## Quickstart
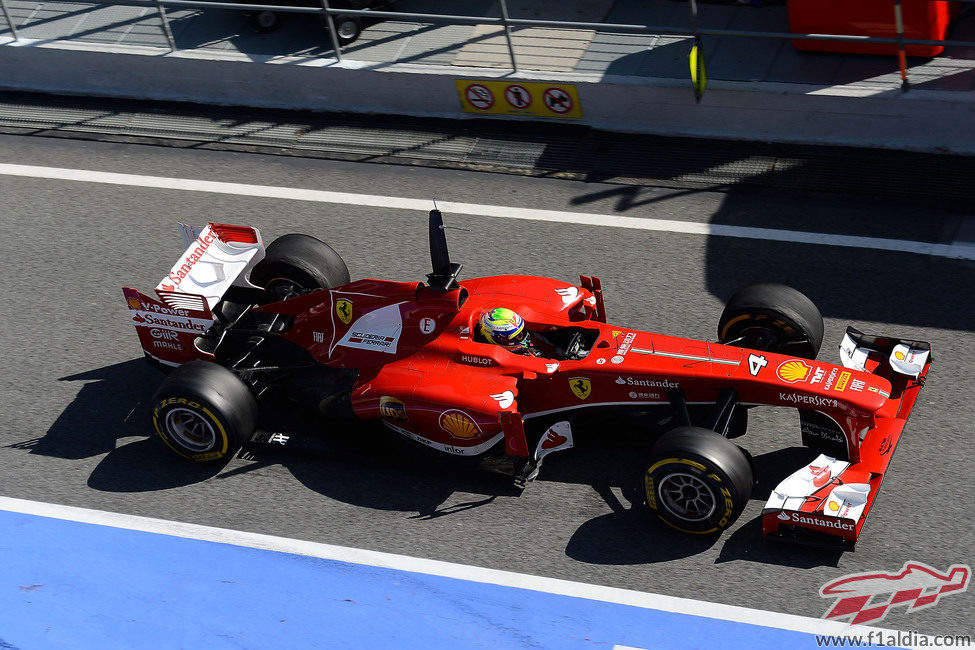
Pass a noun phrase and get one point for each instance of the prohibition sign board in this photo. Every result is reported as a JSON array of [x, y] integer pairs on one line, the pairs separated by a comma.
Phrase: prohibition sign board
[[479, 96], [557, 100], [518, 96]]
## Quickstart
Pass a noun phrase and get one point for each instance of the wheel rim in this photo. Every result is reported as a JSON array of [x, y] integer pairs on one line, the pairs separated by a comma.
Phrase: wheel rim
[[266, 19], [687, 496], [283, 288], [346, 29], [190, 430]]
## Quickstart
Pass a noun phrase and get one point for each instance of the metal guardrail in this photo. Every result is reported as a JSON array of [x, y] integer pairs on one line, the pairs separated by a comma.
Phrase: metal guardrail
[[506, 22]]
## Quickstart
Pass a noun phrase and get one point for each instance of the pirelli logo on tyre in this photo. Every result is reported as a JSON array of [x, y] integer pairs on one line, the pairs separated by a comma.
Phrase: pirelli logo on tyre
[[670, 476]]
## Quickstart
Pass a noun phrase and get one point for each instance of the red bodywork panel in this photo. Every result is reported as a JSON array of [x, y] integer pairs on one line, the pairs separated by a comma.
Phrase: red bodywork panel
[[422, 371], [822, 512]]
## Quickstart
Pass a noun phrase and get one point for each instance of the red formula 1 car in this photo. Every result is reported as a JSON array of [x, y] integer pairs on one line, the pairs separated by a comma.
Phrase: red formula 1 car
[[248, 327]]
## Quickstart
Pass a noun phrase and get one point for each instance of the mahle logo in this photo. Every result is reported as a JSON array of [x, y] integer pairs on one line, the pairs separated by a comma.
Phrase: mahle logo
[[868, 597]]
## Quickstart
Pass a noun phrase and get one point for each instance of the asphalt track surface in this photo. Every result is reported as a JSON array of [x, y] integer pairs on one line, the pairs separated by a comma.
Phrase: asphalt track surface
[[75, 385]]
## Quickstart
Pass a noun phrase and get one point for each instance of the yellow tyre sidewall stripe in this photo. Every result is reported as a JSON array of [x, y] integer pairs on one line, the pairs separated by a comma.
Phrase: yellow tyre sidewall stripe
[[650, 492], [224, 441]]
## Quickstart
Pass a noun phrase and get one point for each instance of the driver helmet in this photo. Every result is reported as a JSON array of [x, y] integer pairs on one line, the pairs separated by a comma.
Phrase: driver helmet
[[504, 327]]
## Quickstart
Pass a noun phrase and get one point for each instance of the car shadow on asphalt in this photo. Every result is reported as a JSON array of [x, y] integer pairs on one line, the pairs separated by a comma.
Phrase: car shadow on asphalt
[[111, 407], [375, 469], [631, 535]]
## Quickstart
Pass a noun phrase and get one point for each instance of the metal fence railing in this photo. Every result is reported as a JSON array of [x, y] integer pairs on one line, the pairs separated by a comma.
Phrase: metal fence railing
[[506, 23]]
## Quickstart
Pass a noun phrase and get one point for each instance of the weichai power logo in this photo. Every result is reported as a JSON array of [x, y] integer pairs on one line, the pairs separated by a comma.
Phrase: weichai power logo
[[868, 597]]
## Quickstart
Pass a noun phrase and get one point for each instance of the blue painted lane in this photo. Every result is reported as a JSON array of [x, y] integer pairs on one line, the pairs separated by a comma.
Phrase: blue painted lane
[[65, 584]]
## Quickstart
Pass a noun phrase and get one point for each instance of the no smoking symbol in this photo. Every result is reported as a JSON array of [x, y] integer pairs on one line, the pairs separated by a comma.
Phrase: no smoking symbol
[[517, 96], [480, 97], [557, 100]]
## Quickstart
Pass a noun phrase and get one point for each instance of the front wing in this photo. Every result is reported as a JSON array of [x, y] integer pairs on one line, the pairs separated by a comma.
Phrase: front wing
[[826, 503]]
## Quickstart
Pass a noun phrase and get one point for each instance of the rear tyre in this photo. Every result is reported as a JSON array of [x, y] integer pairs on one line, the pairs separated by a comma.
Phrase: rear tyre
[[204, 412], [772, 318], [296, 262], [698, 481]]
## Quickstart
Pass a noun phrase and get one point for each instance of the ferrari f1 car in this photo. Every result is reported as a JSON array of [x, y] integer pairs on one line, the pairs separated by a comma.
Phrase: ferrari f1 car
[[246, 327]]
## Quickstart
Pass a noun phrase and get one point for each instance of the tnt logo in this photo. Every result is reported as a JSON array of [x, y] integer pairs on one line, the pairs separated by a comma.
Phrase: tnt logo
[[867, 597]]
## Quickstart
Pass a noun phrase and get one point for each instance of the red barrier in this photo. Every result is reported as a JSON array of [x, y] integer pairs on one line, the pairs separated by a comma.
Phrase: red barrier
[[923, 19]]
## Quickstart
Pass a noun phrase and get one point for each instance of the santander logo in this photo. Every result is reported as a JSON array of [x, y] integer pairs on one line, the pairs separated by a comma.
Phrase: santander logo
[[203, 243]]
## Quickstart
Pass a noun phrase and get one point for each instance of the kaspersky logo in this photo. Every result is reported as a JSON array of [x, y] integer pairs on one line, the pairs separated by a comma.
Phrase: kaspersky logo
[[868, 597]]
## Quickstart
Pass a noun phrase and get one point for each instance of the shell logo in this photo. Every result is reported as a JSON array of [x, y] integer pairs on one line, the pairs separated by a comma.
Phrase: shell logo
[[459, 424], [900, 356], [793, 371], [834, 506], [134, 303]]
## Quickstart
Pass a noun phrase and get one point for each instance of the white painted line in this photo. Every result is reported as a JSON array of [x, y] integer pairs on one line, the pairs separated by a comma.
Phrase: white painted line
[[444, 569], [954, 251]]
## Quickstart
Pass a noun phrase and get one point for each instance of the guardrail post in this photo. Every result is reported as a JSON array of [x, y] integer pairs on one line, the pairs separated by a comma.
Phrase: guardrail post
[[507, 34], [901, 53], [10, 21], [330, 22], [165, 26]]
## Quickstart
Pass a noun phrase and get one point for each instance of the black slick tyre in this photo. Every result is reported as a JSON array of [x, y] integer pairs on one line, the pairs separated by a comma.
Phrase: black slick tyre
[[302, 262], [773, 318], [697, 481], [204, 412]]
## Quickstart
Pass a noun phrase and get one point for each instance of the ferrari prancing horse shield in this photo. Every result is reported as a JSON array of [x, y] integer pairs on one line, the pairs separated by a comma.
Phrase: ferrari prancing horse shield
[[581, 386], [344, 310]]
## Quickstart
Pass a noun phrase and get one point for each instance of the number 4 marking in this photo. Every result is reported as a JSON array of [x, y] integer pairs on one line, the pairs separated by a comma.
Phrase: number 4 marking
[[756, 363]]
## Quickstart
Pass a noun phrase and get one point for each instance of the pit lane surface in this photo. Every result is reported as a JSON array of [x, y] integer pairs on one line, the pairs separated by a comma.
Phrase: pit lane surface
[[75, 385]]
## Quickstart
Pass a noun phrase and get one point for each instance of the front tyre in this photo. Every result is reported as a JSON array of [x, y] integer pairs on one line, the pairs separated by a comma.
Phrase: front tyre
[[697, 482], [774, 318], [204, 412]]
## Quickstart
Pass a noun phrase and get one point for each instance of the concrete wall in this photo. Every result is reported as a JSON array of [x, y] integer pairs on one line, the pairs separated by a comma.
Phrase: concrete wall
[[919, 119]]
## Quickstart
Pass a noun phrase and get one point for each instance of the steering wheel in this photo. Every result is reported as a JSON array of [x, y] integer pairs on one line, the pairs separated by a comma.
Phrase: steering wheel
[[574, 347]]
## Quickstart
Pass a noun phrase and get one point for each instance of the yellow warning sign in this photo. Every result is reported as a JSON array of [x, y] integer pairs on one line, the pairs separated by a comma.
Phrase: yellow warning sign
[[519, 98]]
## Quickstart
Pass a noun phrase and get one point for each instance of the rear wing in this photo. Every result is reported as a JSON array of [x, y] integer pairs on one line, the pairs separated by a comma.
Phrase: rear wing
[[826, 502], [216, 258]]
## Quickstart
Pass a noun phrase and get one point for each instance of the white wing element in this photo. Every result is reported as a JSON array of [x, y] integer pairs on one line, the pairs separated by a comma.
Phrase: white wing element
[[907, 360], [851, 356], [557, 438], [847, 501], [216, 259], [791, 493]]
